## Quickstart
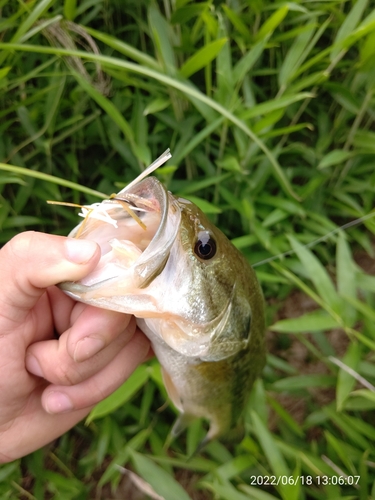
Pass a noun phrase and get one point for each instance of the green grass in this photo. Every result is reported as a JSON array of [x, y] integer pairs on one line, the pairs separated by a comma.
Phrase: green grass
[[269, 110]]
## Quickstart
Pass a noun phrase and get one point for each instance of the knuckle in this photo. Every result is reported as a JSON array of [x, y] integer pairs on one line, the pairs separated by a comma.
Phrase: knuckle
[[131, 327], [67, 375], [99, 393], [14, 263], [19, 246]]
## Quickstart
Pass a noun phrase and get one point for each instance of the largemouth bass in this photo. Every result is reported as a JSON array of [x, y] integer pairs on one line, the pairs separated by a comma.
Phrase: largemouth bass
[[193, 293]]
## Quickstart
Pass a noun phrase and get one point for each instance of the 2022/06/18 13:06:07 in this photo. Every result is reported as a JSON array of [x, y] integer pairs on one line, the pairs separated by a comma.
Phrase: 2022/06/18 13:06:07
[[304, 480]]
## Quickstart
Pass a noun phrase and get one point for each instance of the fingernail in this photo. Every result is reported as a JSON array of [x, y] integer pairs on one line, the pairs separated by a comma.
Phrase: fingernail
[[58, 402], [33, 366], [87, 347], [80, 251]]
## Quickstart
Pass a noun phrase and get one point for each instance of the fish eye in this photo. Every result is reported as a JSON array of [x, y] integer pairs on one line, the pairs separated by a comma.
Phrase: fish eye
[[205, 247]]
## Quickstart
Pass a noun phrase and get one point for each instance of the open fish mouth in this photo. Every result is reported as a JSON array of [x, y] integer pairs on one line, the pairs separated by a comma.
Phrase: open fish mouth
[[135, 231]]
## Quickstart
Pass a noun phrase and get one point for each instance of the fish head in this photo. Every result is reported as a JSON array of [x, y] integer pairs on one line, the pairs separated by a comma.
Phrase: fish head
[[181, 275]]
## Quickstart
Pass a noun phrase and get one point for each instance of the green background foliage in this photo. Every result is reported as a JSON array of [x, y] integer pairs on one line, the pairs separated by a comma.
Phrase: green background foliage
[[268, 108]]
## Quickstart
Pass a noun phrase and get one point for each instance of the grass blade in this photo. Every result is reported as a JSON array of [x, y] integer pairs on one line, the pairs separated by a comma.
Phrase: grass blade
[[162, 482], [318, 275], [53, 179], [202, 57], [121, 395], [183, 87]]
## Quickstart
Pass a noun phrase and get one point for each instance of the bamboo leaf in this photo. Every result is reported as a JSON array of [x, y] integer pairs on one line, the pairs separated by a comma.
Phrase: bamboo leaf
[[274, 104], [334, 158], [350, 23], [346, 278], [362, 307], [318, 275], [309, 322], [245, 64], [227, 491], [162, 482], [202, 57], [4, 71], [184, 13], [160, 34], [121, 395], [365, 393], [274, 456], [188, 90], [70, 7], [303, 382], [285, 416], [295, 56], [237, 22], [34, 15], [204, 205], [51, 178], [115, 115], [345, 381], [124, 48], [272, 22], [156, 105]]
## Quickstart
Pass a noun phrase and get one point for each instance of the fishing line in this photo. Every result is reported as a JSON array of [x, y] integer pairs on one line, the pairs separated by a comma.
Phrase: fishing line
[[319, 240]]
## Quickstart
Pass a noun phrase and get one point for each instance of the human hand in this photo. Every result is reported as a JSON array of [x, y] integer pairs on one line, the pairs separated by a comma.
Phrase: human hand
[[47, 385]]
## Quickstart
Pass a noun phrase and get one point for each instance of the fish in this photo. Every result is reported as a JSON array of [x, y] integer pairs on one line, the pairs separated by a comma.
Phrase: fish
[[194, 296]]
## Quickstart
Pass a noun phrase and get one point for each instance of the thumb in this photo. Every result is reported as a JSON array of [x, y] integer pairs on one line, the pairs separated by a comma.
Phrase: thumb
[[30, 262]]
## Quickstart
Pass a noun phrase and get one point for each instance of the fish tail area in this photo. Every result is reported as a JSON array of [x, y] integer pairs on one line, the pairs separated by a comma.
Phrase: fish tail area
[[200, 447], [215, 430], [183, 420]]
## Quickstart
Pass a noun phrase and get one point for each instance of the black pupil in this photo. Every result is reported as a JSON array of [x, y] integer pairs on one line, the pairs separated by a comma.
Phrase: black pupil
[[205, 247]]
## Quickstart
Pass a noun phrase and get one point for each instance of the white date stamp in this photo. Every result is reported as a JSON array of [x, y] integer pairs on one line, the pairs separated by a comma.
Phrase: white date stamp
[[304, 480]]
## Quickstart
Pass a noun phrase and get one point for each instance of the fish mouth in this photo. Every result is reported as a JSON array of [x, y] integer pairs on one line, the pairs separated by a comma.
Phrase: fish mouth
[[134, 250]]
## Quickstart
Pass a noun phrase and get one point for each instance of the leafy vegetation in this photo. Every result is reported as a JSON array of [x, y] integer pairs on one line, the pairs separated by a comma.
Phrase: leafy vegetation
[[269, 109]]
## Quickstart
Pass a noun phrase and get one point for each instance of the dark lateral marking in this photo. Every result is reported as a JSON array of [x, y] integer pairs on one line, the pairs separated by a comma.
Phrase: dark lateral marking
[[245, 331], [156, 273]]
